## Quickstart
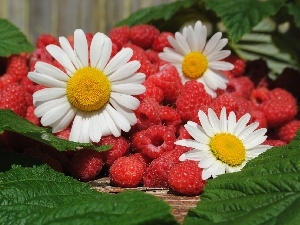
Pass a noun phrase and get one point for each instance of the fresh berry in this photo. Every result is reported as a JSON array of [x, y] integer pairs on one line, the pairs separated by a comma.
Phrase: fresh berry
[[12, 97], [152, 56], [288, 131], [143, 35], [46, 39], [127, 172], [64, 134], [231, 102], [191, 97], [27, 84], [120, 147], [17, 66], [86, 164], [148, 113], [258, 116], [239, 66], [169, 117], [152, 91], [39, 54], [240, 86], [279, 107], [30, 116], [162, 41], [154, 141], [7, 79], [274, 142], [259, 95], [186, 178], [169, 81], [119, 36], [157, 172]]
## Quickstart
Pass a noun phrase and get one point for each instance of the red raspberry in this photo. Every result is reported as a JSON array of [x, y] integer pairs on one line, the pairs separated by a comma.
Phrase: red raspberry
[[162, 41], [191, 97], [46, 39], [274, 142], [151, 92], [17, 65], [154, 141], [119, 36], [239, 66], [152, 56], [143, 35], [186, 178], [27, 84], [120, 147], [12, 97], [147, 113], [64, 134], [157, 172], [28, 99], [169, 117], [127, 172], [7, 79], [238, 105], [240, 86], [86, 164], [279, 107], [169, 81], [39, 54], [259, 95], [114, 50], [258, 116], [289, 130]]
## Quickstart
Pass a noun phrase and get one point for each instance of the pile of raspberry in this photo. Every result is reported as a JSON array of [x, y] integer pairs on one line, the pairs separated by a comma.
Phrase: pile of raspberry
[[146, 155]]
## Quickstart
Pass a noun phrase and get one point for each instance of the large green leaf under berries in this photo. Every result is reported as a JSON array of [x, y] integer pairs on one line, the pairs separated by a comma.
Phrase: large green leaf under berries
[[240, 16], [266, 191], [39, 195], [9, 121], [12, 40]]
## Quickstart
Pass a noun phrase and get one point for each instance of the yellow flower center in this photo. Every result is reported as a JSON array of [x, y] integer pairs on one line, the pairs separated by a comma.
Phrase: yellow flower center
[[194, 65], [228, 148], [89, 89]]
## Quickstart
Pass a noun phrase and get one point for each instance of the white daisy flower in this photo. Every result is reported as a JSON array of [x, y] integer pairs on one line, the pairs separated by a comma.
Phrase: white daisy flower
[[197, 60], [95, 93], [223, 145]]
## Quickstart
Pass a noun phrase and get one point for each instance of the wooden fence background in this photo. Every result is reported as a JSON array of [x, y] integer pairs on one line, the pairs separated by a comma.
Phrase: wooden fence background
[[62, 17]]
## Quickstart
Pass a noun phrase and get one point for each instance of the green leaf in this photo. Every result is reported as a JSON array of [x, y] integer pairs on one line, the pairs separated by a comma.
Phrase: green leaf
[[294, 9], [266, 191], [9, 121], [12, 40], [240, 16], [161, 12], [39, 195]]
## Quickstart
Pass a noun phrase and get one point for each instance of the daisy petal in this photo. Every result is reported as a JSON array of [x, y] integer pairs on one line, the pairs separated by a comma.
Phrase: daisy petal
[[191, 155], [125, 71], [111, 125], [118, 118], [47, 106], [127, 113], [95, 127], [241, 124], [231, 122], [218, 168], [192, 144], [61, 57], [127, 101], [120, 59], [48, 94], [255, 142], [64, 122], [215, 56], [197, 134], [65, 45], [130, 89], [248, 130], [214, 121], [105, 53], [136, 78], [220, 65], [212, 43], [76, 127], [51, 71], [46, 80], [84, 133], [206, 173], [205, 124], [81, 47], [55, 114]]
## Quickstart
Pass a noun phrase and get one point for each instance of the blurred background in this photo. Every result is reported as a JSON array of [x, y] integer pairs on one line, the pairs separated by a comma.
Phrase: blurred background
[[62, 17]]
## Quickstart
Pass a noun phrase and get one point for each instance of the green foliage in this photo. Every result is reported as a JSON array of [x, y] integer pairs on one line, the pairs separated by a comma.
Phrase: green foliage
[[9, 121], [157, 15], [266, 191], [39, 195], [294, 9], [240, 16], [12, 40]]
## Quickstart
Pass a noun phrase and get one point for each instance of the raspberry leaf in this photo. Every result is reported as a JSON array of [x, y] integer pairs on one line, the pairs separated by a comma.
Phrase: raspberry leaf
[[266, 191], [12, 40], [294, 9], [9, 121], [240, 16], [39, 195], [157, 15]]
